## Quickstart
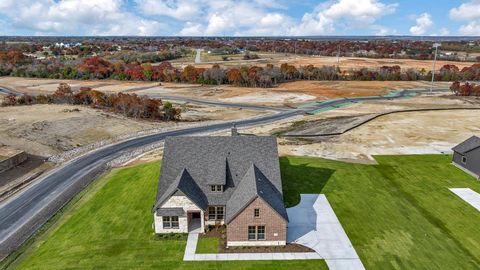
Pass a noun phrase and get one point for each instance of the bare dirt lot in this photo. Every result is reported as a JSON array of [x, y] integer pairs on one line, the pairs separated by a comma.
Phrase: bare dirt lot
[[50, 129], [290, 93], [400, 133], [345, 63]]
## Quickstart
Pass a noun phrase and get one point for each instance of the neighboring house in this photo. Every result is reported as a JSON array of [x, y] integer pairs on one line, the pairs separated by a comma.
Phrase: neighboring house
[[233, 181], [466, 156]]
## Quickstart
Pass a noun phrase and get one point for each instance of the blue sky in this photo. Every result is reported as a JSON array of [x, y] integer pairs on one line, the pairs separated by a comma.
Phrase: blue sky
[[239, 17]]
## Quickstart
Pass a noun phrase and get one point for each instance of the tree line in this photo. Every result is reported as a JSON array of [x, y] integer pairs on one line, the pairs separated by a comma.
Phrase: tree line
[[129, 105], [465, 89], [13, 64]]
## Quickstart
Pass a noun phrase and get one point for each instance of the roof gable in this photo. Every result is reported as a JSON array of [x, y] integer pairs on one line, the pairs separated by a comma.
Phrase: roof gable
[[218, 160], [254, 184], [468, 145], [185, 184]]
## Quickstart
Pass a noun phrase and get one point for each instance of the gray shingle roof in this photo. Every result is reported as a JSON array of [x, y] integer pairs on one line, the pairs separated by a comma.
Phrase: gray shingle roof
[[254, 184], [184, 183], [178, 211], [468, 145], [211, 160]]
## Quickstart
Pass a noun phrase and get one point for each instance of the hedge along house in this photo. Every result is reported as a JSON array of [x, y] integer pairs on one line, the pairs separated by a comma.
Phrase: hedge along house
[[466, 156], [233, 181]]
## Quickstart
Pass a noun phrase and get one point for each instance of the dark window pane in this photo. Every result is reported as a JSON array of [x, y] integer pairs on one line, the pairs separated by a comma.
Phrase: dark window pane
[[251, 233], [211, 213], [166, 222], [256, 212], [261, 232]]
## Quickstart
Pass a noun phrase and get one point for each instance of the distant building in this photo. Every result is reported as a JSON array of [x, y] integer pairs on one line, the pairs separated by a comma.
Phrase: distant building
[[466, 156]]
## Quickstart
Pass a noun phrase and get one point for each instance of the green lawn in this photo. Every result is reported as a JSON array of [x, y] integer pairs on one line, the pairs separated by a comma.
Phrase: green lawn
[[111, 228], [398, 214], [208, 245]]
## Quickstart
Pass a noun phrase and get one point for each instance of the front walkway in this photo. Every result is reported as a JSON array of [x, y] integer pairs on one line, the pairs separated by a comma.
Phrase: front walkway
[[192, 240], [468, 195], [313, 223]]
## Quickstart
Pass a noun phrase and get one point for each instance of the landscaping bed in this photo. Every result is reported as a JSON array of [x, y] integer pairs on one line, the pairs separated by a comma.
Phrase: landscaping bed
[[214, 241]]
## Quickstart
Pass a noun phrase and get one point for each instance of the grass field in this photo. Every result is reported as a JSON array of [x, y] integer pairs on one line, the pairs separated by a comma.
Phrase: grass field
[[398, 214], [207, 245], [111, 228]]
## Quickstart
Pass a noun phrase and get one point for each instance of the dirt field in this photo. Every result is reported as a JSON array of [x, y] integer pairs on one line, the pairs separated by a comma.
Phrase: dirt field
[[345, 63], [291, 93], [50, 129], [403, 133]]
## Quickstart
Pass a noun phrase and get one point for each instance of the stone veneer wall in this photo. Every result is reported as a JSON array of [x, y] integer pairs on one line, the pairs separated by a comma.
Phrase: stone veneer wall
[[175, 202]]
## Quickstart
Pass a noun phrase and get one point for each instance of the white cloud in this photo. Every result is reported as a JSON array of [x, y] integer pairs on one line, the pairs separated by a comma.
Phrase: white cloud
[[83, 17], [380, 30], [444, 32], [183, 10], [466, 11], [470, 13], [423, 24], [470, 29], [346, 13], [241, 18]]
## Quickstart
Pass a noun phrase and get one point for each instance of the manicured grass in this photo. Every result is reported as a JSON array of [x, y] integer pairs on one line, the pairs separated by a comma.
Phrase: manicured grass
[[398, 214], [207, 245], [111, 228]]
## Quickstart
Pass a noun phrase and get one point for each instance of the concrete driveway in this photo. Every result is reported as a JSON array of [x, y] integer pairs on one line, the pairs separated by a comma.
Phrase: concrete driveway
[[314, 224]]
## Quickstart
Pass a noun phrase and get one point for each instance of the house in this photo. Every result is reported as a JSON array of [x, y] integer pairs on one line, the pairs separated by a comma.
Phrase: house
[[232, 180], [466, 156]]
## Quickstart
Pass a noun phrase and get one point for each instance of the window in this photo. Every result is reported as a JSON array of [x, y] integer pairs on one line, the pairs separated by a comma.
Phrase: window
[[216, 212], [216, 188], [261, 233], [256, 212], [256, 233], [170, 222], [464, 160], [252, 233]]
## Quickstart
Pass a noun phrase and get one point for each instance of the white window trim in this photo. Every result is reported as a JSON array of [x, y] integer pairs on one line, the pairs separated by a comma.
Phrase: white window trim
[[216, 213], [256, 233]]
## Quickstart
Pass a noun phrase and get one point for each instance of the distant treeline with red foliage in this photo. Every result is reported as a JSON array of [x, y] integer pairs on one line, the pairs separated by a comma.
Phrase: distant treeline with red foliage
[[14, 64], [465, 89], [129, 105]]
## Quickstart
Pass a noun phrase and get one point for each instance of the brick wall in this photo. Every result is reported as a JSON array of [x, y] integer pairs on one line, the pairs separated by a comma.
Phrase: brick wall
[[275, 225]]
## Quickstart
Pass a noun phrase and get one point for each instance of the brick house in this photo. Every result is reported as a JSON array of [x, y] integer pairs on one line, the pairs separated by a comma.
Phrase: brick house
[[233, 181]]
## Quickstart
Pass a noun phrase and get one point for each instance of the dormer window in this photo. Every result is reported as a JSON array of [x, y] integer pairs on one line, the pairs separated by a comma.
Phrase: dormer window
[[216, 188]]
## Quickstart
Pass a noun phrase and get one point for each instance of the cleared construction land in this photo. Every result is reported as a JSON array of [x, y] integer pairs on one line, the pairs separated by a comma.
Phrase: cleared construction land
[[290, 93], [45, 130], [345, 63]]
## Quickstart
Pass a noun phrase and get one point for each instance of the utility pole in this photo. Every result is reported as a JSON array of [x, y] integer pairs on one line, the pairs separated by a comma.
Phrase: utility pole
[[435, 45], [338, 55]]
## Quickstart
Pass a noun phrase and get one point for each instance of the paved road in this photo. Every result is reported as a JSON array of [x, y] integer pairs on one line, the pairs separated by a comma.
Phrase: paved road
[[198, 54], [7, 91], [218, 103], [22, 214]]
